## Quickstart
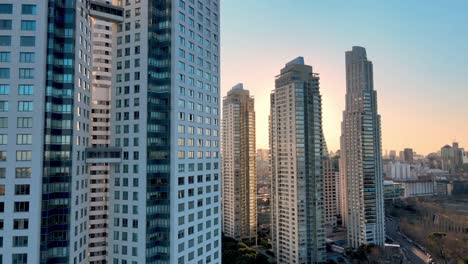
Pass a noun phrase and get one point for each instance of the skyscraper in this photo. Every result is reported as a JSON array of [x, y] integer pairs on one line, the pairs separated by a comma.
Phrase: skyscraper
[[331, 190], [361, 155], [452, 158], [408, 155], [114, 116], [296, 144], [239, 166], [165, 204]]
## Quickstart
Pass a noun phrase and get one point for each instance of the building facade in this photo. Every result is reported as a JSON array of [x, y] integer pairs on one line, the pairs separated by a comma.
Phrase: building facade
[[296, 145], [361, 155], [112, 111], [408, 155], [165, 204], [331, 176], [239, 166], [452, 158]]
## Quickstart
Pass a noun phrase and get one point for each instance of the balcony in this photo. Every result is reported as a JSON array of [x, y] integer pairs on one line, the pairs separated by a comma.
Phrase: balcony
[[106, 12], [103, 155]]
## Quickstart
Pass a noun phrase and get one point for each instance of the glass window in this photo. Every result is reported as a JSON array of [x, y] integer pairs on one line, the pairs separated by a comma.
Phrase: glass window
[[5, 24], [3, 122], [4, 89], [24, 172], [3, 139], [25, 106], [4, 73], [23, 139], [6, 8], [28, 9], [3, 106], [27, 41], [28, 25], [5, 56], [23, 155], [24, 122], [5, 40], [25, 89], [26, 73], [27, 57]]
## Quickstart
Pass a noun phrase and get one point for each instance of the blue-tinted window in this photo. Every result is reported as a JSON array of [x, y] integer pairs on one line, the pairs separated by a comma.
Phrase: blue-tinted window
[[4, 89], [26, 73], [4, 73], [25, 89], [27, 57], [28, 9], [5, 24], [6, 8], [27, 41], [28, 25], [5, 56], [5, 40]]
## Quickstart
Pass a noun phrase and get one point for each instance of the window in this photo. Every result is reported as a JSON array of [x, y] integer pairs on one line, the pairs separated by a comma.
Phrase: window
[[6, 8], [24, 89], [26, 73], [4, 73], [28, 25], [27, 57], [24, 172], [23, 155], [5, 24], [4, 89], [5, 40], [28, 9], [21, 258], [25, 106], [24, 139], [2, 189], [21, 207], [3, 106], [2, 173], [27, 41], [3, 156], [20, 241], [22, 189], [24, 122], [3, 122], [19, 224], [5, 56], [3, 139]]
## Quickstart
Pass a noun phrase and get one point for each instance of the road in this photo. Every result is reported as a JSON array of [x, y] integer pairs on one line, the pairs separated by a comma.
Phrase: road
[[414, 254]]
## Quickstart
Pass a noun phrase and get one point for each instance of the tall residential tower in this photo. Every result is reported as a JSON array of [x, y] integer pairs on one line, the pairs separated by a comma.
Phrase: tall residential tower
[[239, 166], [296, 144], [361, 157], [109, 131]]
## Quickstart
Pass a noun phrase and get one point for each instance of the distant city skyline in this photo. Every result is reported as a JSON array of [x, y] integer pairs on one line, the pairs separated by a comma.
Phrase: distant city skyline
[[422, 44]]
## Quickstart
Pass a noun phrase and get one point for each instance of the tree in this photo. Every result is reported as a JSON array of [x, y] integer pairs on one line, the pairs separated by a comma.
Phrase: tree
[[436, 241]]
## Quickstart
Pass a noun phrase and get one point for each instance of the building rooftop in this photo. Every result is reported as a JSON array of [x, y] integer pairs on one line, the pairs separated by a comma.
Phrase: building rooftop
[[296, 61]]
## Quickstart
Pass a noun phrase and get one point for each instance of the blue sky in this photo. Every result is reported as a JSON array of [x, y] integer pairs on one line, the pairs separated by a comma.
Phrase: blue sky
[[419, 50]]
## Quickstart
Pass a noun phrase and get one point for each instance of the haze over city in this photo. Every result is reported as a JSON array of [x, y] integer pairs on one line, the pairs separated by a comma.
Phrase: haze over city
[[418, 50]]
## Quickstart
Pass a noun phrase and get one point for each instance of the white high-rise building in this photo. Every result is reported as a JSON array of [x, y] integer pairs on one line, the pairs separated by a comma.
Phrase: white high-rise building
[[109, 132], [296, 145], [165, 204], [361, 155], [239, 166]]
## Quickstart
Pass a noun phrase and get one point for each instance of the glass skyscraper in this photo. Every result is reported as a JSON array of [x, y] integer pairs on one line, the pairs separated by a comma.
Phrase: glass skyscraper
[[361, 155], [297, 149]]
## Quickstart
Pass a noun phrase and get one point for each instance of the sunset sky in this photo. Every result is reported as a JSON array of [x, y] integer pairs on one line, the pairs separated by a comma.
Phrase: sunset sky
[[419, 50]]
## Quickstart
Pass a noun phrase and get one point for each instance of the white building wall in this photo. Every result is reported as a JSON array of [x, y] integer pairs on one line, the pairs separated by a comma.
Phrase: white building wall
[[20, 130]]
